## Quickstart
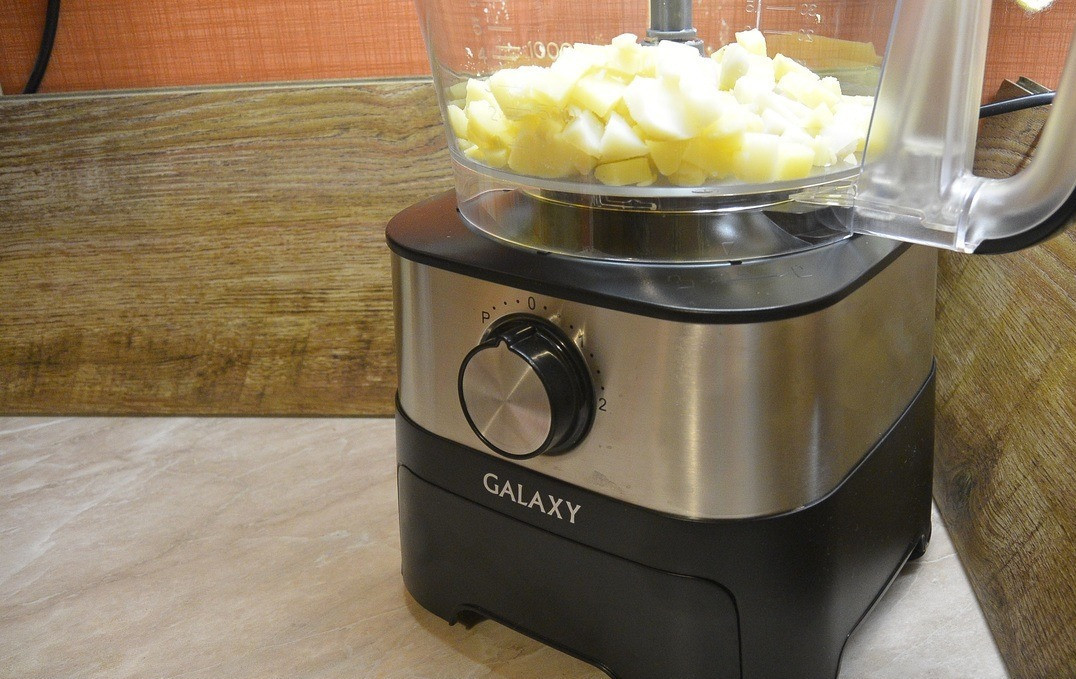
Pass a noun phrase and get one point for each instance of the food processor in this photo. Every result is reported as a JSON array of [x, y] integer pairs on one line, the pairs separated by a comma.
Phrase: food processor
[[666, 386]]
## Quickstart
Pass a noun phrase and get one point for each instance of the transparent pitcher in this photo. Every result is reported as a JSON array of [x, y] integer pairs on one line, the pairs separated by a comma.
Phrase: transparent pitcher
[[731, 130]]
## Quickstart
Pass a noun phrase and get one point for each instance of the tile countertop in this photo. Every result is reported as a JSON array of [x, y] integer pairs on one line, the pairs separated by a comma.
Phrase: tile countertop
[[219, 547]]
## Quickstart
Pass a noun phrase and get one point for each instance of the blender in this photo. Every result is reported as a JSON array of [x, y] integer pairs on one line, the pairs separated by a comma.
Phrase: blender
[[665, 354]]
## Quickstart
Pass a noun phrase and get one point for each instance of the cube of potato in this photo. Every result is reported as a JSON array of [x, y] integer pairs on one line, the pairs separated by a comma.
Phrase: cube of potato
[[833, 85], [539, 150], [629, 58], [774, 122], [583, 163], [704, 107], [753, 41], [487, 125], [585, 133], [734, 65], [620, 142], [675, 60], [794, 161], [495, 158], [478, 90], [689, 175], [783, 65], [575, 62], [552, 88], [457, 91], [756, 160], [715, 155], [655, 105], [598, 93], [807, 88], [625, 172], [513, 90], [666, 155], [820, 117], [457, 120]]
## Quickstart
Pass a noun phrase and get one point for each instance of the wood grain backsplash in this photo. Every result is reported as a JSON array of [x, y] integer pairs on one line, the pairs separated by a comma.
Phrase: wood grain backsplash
[[119, 44], [212, 252]]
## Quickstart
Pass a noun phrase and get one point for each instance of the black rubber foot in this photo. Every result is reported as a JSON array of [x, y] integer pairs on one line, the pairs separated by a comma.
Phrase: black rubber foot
[[921, 546]]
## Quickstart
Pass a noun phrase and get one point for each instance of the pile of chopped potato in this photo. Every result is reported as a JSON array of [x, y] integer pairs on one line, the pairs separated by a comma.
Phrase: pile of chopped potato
[[629, 114]]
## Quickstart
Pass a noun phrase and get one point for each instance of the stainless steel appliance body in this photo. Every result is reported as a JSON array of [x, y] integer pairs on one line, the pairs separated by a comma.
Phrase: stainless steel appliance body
[[691, 470]]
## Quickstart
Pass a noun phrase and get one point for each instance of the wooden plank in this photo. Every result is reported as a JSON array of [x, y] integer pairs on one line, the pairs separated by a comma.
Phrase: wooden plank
[[207, 252], [1005, 471]]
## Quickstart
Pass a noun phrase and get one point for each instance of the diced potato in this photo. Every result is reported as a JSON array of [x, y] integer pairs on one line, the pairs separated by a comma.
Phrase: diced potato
[[495, 158], [753, 41], [553, 88], [795, 112], [756, 160], [689, 175], [714, 155], [585, 133], [478, 90], [674, 60], [655, 106], [783, 65], [823, 154], [620, 142], [539, 150], [629, 58], [622, 110], [734, 66], [627, 114], [487, 125], [704, 105], [774, 122], [820, 117], [598, 94], [833, 86], [575, 62], [457, 120], [806, 88], [457, 91], [752, 92], [794, 160], [625, 172], [734, 121], [517, 91], [666, 155], [584, 164]]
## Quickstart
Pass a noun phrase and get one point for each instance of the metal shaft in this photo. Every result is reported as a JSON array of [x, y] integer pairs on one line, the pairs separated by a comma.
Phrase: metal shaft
[[671, 20]]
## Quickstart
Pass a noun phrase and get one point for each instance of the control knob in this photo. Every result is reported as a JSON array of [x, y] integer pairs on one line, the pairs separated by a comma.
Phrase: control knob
[[525, 389]]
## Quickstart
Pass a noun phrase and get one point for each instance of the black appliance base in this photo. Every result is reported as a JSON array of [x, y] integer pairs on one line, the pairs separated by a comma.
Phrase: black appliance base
[[644, 595]]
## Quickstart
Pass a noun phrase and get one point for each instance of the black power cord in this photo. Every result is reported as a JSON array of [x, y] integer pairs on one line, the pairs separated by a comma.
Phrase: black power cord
[[48, 36], [1017, 104]]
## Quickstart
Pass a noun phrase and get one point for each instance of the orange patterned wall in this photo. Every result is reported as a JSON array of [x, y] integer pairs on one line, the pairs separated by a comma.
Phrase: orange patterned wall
[[110, 44]]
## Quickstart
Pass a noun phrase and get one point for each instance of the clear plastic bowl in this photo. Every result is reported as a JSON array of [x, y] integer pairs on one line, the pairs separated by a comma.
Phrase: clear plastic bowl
[[910, 176], [479, 38]]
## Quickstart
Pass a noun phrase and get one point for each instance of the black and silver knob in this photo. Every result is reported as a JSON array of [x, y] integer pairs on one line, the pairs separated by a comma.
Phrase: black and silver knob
[[525, 390]]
